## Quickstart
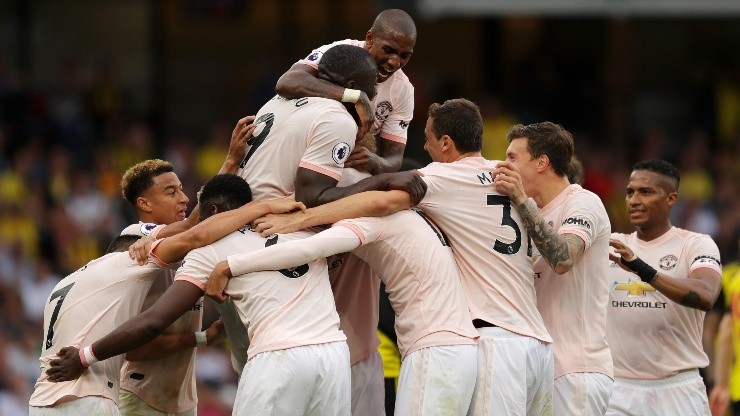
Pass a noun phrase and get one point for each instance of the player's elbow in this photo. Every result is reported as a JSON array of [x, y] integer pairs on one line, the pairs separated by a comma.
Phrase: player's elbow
[[383, 206], [289, 85], [151, 328]]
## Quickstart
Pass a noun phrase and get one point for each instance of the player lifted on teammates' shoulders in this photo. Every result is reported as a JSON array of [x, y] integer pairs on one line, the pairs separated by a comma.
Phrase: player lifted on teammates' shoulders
[[570, 228], [384, 118], [663, 280]]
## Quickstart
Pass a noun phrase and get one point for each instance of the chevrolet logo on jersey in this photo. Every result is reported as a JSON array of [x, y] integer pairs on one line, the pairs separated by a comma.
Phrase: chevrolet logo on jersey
[[634, 288]]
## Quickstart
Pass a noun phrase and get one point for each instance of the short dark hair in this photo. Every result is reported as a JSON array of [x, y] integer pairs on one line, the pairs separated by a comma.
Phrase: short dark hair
[[139, 178], [549, 139], [122, 243], [660, 167], [461, 120], [344, 63], [394, 21], [225, 192]]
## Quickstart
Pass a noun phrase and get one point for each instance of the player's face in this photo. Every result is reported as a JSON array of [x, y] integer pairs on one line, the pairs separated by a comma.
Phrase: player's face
[[519, 155], [166, 199], [391, 51], [648, 201], [432, 143]]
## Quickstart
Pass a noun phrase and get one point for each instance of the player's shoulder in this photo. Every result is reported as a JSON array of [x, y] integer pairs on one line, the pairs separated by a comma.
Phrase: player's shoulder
[[692, 237], [578, 195], [140, 228], [400, 78]]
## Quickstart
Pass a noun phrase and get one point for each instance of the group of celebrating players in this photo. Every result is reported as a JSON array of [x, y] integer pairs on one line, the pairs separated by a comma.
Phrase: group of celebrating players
[[507, 296]]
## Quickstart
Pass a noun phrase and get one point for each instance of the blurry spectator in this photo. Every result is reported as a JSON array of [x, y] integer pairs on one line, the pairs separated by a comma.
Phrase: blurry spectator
[[496, 122], [91, 211], [35, 291], [575, 171], [210, 155]]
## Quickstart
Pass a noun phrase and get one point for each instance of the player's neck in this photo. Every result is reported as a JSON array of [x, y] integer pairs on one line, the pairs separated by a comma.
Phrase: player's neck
[[548, 189], [650, 233], [460, 156]]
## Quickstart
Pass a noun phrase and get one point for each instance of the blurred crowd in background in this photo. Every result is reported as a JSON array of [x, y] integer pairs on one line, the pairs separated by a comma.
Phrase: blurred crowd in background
[[65, 147]]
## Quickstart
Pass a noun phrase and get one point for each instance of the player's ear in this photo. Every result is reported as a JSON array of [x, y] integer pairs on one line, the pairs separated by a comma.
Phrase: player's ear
[[671, 199], [143, 204], [369, 39], [542, 163]]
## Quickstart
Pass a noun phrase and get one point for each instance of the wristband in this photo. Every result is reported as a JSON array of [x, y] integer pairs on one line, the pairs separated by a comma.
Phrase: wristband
[[350, 95], [87, 357], [201, 340], [643, 270]]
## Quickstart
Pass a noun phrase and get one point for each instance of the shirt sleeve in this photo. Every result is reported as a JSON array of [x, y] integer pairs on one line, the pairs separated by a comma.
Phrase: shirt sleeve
[[582, 218], [395, 127], [703, 252], [197, 266], [366, 229], [434, 187], [331, 140], [289, 254], [313, 58]]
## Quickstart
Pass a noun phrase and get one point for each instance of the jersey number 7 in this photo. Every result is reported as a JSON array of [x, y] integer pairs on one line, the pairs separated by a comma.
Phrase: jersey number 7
[[61, 294]]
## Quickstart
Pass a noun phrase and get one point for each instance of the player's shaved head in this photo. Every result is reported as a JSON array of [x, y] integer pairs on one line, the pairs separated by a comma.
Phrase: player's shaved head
[[350, 67], [670, 177], [394, 21], [223, 192], [122, 243], [140, 177]]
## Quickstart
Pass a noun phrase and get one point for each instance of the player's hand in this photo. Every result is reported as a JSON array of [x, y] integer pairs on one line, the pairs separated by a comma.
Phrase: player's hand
[[239, 136], [278, 223], [621, 252], [363, 160], [216, 333], [284, 205], [139, 250], [507, 181], [719, 400], [67, 367], [217, 281], [365, 113], [409, 181]]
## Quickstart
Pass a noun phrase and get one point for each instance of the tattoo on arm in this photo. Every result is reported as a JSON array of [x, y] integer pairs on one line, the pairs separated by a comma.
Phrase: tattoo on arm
[[559, 251], [691, 299]]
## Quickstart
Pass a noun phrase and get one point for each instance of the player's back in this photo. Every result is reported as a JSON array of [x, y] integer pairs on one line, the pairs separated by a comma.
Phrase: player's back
[[313, 133], [413, 258], [84, 307], [489, 241], [281, 309]]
